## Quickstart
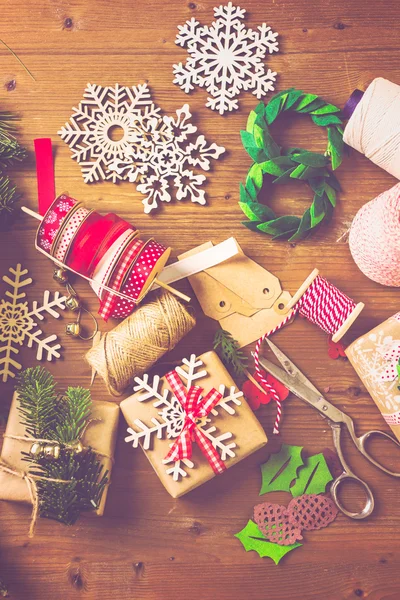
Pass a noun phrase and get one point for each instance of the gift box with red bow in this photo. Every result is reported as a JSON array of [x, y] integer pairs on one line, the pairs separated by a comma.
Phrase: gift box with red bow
[[193, 423]]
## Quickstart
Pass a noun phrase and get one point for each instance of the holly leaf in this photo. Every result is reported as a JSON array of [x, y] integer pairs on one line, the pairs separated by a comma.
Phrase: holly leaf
[[281, 469], [256, 211], [313, 477], [252, 539]]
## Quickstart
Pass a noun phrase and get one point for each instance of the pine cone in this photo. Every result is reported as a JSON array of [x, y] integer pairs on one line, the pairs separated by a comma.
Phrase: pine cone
[[311, 511], [273, 521]]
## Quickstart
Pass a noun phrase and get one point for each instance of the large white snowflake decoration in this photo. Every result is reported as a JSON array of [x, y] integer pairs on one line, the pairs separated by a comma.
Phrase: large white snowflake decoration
[[105, 113], [172, 416], [225, 58], [157, 153], [162, 157], [18, 326]]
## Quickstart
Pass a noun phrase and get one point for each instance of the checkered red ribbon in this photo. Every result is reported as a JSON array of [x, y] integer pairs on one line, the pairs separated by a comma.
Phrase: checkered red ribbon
[[196, 408]]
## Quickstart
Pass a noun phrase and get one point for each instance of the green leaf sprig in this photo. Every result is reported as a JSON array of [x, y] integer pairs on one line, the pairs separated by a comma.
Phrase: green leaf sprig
[[291, 163], [229, 351]]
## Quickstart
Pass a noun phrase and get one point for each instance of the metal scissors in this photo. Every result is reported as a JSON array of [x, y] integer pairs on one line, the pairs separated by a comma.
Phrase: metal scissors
[[301, 387]]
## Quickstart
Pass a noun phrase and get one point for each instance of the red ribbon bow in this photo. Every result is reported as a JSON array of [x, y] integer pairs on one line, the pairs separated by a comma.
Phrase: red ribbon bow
[[196, 408]]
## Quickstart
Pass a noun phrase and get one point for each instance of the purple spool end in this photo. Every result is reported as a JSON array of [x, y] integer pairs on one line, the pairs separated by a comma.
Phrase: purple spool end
[[351, 103]]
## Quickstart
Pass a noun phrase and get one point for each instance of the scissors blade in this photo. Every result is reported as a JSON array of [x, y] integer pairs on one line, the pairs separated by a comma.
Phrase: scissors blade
[[303, 391], [290, 367]]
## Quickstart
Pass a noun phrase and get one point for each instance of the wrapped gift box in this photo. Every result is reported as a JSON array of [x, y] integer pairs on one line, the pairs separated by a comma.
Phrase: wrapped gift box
[[101, 436], [374, 356], [156, 419]]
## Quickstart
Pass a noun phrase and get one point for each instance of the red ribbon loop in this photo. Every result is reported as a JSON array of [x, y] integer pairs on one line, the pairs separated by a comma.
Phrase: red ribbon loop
[[196, 407]]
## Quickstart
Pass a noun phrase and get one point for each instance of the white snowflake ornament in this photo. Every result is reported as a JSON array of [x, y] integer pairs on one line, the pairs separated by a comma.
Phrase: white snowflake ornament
[[225, 58], [18, 326], [171, 416], [105, 113]]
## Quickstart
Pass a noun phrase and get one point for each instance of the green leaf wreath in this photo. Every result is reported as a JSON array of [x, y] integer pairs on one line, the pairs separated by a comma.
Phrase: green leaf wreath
[[291, 163], [61, 419]]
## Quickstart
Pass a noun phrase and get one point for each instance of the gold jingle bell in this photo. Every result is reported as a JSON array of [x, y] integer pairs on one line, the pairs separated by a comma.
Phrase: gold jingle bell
[[36, 450], [73, 303], [76, 447], [73, 329], [60, 275], [51, 452]]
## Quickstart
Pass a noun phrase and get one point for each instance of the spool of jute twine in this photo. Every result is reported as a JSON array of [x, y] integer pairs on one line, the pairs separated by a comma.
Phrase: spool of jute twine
[[138, 342]]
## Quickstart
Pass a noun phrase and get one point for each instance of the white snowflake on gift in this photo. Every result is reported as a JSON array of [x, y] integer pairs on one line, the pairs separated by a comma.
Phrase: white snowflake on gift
[[18, 325], [172, 415], [225, 58], [163, 157], [371, 364]]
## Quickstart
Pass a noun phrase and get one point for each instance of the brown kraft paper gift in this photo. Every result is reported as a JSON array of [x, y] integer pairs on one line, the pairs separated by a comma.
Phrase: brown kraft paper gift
[[100, 436], [247, 432], [367, 355]]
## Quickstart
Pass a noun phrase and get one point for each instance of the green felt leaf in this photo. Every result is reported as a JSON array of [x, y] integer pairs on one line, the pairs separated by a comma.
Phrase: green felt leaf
[[285, 178], [256, 211], [311, 159], [251, 189], [332, 180], [304, 227], [244, 195], [284, 234], [313, 476], [335, 146], [280, 225], [251, 120], [331, 194], [252, 225], [311, 106], [256, 176], [257, 154], [305, 100], [292, 98], [273, 108], [298, 172], [325, 120], [317, 210], [252, 539], [281, 469], [248, 140], [271, 167], [258, 133], [326, 109], [317, 184]]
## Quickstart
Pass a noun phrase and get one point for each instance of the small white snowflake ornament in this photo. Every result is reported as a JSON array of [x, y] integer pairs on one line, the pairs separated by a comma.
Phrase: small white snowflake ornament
[[18, 326], [225, 58], [171, 416]]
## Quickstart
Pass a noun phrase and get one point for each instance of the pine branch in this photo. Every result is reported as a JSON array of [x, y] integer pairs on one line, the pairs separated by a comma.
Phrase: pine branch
[[74, 411], [37, 401], [8, 199], [229, 351], [61, 420]]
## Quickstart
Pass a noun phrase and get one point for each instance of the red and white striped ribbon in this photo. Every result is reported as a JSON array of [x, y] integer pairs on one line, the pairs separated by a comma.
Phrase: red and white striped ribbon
[[195, 408]]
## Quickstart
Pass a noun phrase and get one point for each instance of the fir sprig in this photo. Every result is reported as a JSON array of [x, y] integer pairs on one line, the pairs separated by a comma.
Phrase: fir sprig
[[229, 351], [61, 419], [11, 152]]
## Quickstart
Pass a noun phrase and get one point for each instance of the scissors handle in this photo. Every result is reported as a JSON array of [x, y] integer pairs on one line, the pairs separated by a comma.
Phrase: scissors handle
[[369, 505], [361, 441], [348, 475]]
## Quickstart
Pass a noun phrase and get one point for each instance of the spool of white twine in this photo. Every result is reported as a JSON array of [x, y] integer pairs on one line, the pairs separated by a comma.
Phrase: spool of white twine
[[374, 127]]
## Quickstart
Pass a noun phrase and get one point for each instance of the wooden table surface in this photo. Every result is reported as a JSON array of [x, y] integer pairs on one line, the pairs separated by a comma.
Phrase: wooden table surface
[[149, 546]]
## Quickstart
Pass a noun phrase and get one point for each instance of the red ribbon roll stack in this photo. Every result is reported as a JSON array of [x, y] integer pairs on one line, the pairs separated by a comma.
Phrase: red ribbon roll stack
[[104, 249]]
